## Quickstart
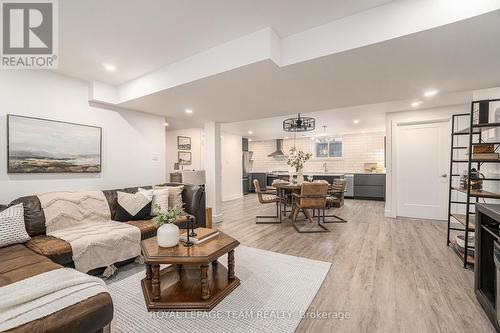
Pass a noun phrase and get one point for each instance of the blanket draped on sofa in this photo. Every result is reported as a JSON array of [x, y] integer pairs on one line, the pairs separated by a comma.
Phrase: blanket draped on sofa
[[44, 294], [83, 219]]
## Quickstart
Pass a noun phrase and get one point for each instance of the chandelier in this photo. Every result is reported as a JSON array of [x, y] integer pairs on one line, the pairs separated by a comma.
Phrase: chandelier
[[299, 124]]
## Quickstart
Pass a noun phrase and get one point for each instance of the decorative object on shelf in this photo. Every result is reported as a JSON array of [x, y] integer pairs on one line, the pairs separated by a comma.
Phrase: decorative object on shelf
[[184, 157], [485, 148], [475, 182], [184, 143], [296, 159], [299, 124], [37, 145], [168, 232]]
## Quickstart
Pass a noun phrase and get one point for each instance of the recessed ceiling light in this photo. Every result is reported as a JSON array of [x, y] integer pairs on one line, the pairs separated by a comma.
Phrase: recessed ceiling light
[[249, 139], [109, 67], [250, 132], [430, 93], [188, 111], [415, 104], [166, 124], [286, 137], [363, 132], [356, 121]]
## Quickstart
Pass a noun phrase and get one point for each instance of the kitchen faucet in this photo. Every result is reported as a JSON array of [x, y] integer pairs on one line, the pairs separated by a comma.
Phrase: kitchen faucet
[[325, 167]]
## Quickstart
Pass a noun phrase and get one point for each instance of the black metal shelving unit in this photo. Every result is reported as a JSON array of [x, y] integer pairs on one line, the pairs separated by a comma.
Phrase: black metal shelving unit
[[474, 132]]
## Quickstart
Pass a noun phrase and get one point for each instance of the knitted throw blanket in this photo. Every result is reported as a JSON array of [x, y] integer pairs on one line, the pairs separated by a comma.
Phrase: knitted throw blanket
[[44, 294], [83, 220]]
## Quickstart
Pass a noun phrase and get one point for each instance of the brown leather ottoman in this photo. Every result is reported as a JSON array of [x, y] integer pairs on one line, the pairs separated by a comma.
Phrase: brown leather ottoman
[[17, 262]]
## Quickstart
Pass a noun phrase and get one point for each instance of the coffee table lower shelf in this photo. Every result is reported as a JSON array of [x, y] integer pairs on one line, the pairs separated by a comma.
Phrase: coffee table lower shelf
[[181, 290]]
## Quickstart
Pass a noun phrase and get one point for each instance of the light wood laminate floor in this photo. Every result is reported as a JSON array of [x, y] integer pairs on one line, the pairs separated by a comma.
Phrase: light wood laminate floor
[[392, 275]]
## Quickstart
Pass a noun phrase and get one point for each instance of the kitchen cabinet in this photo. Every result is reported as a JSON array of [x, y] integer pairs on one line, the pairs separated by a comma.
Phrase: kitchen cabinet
[[260, 176], [369, 186]]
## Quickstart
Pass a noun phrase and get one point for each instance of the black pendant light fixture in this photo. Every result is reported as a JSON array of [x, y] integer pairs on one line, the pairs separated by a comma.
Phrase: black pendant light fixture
[[299, 124]]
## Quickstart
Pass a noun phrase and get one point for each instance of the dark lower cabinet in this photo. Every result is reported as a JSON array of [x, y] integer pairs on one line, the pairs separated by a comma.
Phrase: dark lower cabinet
[[369, 186], [246, 185], [261, 177], [487, 251]]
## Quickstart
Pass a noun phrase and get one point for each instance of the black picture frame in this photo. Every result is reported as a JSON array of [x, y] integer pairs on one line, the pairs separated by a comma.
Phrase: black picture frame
[[184, 157], [11, 170], [183, 143]]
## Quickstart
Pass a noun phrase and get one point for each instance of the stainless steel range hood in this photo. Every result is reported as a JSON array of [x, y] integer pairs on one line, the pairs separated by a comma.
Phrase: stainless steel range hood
[[279, 149]]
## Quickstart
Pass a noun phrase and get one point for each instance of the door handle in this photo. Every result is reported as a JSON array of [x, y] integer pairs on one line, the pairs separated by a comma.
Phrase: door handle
[[444, 175]]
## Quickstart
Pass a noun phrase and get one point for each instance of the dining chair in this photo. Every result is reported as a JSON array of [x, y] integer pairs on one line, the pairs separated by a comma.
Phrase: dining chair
[[312, 196], [335, 198], [266, 197]]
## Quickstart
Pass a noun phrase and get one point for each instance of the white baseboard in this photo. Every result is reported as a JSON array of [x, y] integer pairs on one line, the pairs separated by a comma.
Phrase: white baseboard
[[389, 213], [217, 219], [232, 197]]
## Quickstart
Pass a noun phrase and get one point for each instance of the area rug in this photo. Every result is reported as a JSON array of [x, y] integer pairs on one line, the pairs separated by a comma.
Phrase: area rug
[[275, 293]]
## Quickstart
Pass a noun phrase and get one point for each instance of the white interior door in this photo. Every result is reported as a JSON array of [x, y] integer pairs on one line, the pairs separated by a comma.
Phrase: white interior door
[[423, 152]]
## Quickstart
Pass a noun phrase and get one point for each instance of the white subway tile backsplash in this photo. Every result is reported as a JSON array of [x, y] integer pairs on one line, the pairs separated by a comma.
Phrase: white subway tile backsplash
[[358, 149]]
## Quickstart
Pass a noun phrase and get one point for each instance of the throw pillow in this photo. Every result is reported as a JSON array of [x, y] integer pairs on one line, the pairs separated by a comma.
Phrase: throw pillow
[[174, 195], [12, 228], [133, 207], [159, 198]]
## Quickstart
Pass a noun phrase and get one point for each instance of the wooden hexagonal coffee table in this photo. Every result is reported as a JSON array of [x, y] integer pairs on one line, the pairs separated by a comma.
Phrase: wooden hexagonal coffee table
[[194, 280]]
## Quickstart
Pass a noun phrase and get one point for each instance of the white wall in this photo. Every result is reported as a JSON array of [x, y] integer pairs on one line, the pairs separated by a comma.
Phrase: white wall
[[231, 155], [130, 139], [196, 135], [392, 119]]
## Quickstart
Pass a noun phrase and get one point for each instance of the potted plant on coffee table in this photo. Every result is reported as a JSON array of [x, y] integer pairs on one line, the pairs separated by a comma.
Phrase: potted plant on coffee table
[[168, 233]]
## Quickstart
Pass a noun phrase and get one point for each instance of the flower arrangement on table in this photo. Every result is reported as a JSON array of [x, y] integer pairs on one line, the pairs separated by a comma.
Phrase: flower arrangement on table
[[297, 159]]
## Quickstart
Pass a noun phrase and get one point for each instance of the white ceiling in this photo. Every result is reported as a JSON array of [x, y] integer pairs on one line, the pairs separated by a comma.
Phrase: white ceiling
[[457, 57], [141, 36], [371, 118]]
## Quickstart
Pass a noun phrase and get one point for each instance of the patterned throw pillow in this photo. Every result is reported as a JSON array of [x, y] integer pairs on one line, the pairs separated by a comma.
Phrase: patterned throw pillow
[[12, 228], [133, 207], [159, 197], [174, 195]]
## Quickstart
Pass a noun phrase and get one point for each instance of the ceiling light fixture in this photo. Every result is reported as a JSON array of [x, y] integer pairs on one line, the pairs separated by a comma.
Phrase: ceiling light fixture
[[250, 132], [415, 104], [356, 121], [188, 111], [249, 139], [286, 137], [166, 124], [299, 124], [109, 67], [430, 93]]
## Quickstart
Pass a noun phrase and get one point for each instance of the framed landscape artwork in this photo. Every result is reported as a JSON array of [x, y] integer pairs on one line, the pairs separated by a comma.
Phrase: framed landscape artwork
[[47, 146], [183, 143], [184, 157]]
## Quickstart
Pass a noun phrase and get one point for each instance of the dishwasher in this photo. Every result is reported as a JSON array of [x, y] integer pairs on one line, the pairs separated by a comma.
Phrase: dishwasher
[[349, 188]]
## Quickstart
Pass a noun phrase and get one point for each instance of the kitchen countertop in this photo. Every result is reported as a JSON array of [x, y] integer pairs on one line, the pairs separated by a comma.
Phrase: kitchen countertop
[[322, 173]]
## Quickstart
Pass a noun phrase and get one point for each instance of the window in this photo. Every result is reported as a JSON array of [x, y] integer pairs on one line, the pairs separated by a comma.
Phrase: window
[[328, 147]]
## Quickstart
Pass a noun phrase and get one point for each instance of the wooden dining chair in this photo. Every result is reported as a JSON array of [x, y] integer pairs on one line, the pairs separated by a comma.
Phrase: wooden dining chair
[[335, 198], [266, 197], [312, 196]]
